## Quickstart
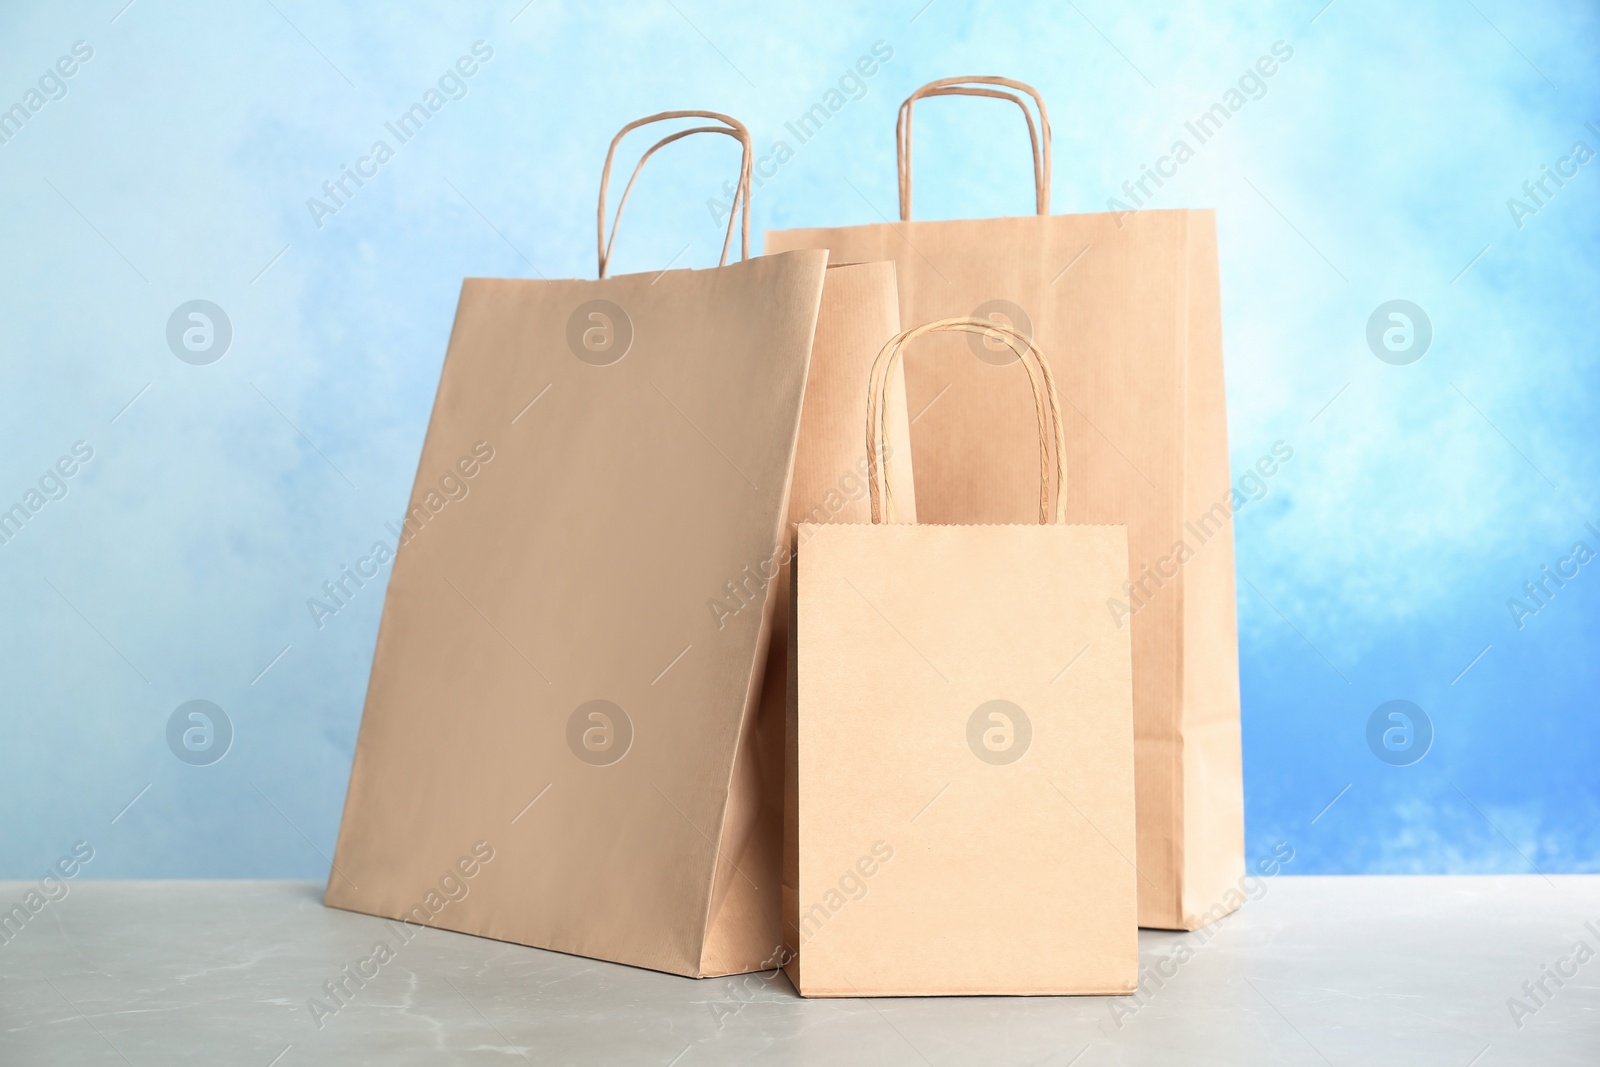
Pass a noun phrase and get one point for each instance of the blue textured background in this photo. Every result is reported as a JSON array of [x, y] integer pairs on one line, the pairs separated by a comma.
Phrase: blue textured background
[[1377, 164]]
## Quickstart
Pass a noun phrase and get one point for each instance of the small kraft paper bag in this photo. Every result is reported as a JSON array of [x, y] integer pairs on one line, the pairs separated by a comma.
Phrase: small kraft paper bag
[[558, 747], [962, 729], [1126, 306]]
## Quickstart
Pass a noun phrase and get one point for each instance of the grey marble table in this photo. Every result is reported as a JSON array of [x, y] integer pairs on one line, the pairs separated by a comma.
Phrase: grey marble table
[[1403, 970]]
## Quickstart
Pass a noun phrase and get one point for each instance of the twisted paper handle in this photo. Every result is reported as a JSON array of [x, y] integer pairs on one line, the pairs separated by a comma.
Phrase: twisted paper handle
[[1046, 404], [740, 208], [968, 87]]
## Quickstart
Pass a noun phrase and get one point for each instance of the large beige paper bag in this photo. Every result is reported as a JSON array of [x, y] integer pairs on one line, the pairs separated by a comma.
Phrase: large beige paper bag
[[1127, 308], [962, 724], [558, 747]]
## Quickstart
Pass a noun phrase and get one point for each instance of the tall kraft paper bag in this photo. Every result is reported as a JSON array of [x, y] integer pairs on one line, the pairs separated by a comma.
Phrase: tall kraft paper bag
[[963, 743], [559, 745], [1127, 309]]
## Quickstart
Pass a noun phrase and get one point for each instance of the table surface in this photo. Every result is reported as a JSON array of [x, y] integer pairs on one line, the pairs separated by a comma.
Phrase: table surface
[[1314, 970]]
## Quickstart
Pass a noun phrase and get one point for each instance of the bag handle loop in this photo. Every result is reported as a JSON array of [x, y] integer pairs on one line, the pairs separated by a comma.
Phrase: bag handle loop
[[1046, 402], [739, 210], [968, 86]]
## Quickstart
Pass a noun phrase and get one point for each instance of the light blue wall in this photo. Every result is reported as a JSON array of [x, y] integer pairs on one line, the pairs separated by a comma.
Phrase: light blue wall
[[1376, 165]]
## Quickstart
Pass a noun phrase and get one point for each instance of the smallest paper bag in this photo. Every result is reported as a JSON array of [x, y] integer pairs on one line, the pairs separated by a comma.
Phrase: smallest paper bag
[[963, 716]]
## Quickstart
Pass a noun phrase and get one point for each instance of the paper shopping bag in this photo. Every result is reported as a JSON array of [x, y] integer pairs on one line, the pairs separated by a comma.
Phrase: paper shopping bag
[[550, 752], [1127, 307], [962, 725]]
